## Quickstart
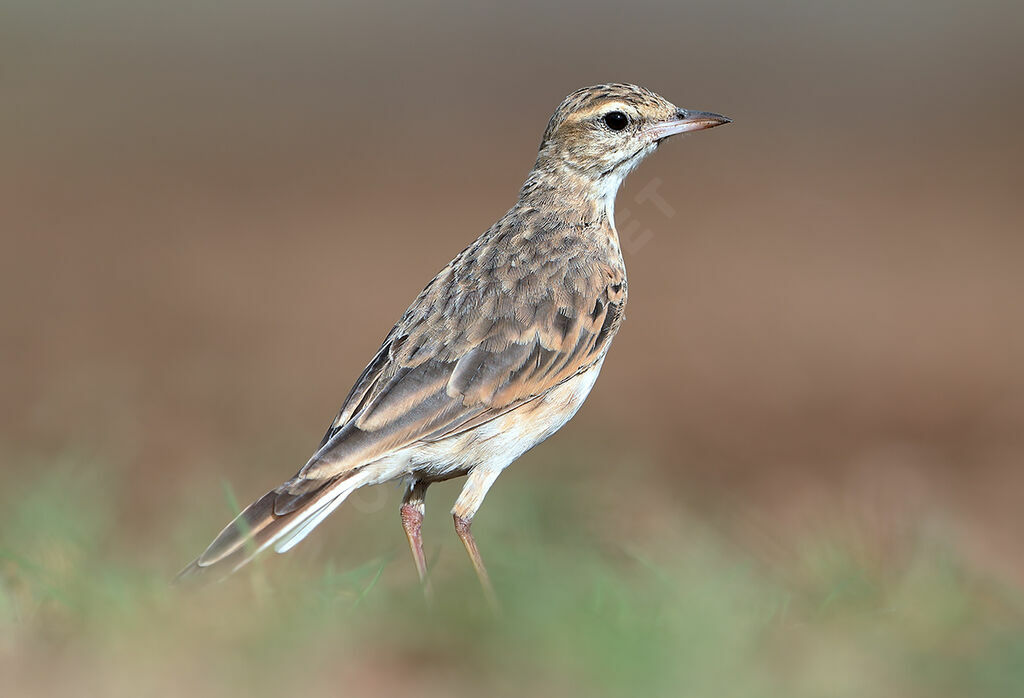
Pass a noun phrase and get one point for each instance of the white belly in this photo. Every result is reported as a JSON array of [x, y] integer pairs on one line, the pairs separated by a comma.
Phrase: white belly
[[502, 440]]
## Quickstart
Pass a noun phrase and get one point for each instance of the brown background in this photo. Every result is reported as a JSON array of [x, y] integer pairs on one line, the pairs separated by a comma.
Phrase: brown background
[[211, 217]]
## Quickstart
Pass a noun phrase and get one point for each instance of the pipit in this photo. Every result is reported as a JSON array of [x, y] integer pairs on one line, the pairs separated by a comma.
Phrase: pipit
[[498, 351]]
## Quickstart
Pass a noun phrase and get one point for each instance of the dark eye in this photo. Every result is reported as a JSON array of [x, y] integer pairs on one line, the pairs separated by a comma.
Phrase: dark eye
[[616, 120]]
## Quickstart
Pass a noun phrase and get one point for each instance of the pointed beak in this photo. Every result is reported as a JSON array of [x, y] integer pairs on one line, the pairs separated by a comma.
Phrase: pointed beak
[[686, 120]]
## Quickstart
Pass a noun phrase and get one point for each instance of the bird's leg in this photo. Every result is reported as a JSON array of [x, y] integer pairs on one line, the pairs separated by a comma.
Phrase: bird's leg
[[462, 528], [477, 484], [413, 506]]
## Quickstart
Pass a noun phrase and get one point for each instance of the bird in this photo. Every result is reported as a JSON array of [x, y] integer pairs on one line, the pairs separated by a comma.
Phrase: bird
[[496, 353]]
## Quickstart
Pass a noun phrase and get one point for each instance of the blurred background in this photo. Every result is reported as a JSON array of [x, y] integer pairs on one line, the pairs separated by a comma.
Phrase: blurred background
[[800, 473]]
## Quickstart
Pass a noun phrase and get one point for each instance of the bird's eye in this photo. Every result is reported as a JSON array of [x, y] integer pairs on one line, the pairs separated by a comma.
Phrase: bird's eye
[[616, 120]]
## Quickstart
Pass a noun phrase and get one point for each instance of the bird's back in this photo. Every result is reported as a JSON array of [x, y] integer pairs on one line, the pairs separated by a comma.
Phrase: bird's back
[[532, 302]]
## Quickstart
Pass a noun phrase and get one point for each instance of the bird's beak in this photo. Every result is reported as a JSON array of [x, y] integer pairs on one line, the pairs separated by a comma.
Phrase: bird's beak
[[686, 120]]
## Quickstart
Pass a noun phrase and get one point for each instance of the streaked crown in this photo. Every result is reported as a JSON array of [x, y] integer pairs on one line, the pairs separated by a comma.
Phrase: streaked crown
[[586, 107], [600, 130], [598, 134]]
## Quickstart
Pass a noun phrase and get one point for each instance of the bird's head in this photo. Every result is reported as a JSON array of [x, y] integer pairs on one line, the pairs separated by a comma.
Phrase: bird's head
[[598, 134]]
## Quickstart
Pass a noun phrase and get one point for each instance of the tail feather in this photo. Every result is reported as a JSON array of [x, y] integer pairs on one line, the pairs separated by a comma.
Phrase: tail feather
[[289, 540], [260, 526]]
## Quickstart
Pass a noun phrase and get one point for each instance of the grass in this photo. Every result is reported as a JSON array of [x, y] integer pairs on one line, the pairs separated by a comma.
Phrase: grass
[[676, 610]]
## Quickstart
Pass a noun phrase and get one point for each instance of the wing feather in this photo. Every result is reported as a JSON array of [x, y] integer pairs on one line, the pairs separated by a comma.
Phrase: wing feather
[[474, 345]]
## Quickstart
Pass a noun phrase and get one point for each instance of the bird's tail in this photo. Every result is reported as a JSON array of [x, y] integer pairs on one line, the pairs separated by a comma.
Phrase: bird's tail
[[281, 518]]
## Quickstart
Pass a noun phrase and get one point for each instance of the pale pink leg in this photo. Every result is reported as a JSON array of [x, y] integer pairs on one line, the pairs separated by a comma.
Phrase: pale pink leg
[[477, 484], [413, 507]]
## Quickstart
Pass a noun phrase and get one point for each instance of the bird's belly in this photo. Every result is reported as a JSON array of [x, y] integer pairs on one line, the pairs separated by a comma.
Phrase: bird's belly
[[505, 438]]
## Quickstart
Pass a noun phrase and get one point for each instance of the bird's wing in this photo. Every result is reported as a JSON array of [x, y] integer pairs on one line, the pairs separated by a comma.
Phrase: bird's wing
[[462, 356]]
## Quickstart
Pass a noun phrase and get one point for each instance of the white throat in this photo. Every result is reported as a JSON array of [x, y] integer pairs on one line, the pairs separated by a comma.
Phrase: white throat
[[609, 185]]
